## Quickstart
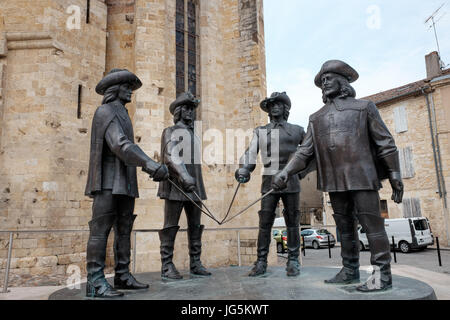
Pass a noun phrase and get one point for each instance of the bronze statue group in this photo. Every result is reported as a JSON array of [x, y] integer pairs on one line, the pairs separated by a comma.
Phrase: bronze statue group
[[346, 141]]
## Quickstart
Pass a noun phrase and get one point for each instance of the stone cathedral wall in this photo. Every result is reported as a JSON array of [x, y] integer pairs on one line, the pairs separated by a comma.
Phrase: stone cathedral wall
[[48, 74]]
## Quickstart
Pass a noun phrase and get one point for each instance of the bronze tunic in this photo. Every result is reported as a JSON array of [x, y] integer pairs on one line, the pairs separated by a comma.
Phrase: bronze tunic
[[169, 141], [290, 136], [113, 156], [348, 139]]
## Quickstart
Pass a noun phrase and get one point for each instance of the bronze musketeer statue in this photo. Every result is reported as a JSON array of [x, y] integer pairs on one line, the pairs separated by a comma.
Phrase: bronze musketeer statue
[[180, 150], [277, 141], [354, 151], [112, 182]]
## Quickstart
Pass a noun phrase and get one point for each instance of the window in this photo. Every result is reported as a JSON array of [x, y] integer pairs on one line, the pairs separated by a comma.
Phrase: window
[[411, 208], [323, 232], [401, 119], [420, 225], [187, 58]]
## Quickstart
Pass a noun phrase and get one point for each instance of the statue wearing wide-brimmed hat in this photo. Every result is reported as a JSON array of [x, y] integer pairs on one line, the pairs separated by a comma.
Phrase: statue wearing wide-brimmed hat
[[337, 67], [112, 182], [280, 139], [180, 150], [354, 151]]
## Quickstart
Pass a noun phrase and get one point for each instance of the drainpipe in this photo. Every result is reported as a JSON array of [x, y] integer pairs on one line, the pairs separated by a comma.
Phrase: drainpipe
[[437, 158], [433, 143], [438, 148]]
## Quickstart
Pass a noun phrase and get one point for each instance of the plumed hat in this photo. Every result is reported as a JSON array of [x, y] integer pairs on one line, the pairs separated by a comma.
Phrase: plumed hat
[[118, 76], [185, 98], [339, 67], [276, 96]]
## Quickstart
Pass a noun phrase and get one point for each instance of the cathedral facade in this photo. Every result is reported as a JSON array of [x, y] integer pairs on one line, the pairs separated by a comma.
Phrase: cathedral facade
[[52, 55]]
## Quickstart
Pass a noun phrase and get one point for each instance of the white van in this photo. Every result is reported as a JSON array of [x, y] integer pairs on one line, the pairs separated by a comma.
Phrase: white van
[[408, 233]]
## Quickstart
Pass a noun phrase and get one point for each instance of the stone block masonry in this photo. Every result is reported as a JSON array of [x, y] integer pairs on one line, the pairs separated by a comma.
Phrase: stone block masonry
[[44, 135]]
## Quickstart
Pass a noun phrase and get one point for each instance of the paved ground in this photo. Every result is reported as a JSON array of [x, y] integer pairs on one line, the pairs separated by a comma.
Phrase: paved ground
[[427, 259], [419, 265], [29, 293]]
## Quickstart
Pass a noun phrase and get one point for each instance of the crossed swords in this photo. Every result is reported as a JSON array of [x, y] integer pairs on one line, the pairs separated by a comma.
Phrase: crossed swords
[[208, 212]]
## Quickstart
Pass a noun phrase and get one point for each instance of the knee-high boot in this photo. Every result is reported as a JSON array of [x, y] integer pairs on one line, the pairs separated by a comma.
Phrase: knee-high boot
[[266, 219], [195, 250], [293, 243], [123, 279], [347, 226], [380, 253], [97, 286], [167, 237]]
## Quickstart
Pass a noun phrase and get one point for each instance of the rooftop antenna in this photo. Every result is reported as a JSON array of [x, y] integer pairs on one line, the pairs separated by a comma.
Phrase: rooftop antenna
[[433, 20]]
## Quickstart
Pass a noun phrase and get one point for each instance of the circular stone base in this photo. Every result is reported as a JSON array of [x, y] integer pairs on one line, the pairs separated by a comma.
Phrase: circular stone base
[[233, 284]]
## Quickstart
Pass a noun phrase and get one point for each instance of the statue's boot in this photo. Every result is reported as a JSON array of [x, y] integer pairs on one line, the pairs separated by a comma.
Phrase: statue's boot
[[266, 219], [348, 228], [195, 250], [380, 280], [293, 243], [380, 253], [97, 286], [123, 279], [167, 237]]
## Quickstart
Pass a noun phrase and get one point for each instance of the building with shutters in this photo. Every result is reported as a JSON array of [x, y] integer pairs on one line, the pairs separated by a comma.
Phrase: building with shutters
[[418, 116]]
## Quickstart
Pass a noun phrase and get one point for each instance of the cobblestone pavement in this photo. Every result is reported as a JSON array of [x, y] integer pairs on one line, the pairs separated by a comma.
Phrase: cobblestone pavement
[[426, 259]]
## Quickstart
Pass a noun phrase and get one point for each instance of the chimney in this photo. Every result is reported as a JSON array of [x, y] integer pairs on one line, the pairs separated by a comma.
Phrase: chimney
[[433, 64]]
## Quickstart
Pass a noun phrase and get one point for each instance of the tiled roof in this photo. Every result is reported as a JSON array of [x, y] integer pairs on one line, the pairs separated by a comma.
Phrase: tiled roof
[[408, 90]]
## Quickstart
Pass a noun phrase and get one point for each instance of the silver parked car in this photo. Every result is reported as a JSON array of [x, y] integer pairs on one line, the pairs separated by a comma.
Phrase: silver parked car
[[318, 238]]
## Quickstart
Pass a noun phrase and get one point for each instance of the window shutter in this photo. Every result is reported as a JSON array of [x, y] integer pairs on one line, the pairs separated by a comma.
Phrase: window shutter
[[407, 163], [407, 208], [411, 208], [416, 205], [401, 119]]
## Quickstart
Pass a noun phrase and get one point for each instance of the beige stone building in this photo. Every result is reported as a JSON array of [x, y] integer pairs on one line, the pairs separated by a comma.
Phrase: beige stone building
[[418, 116], [52, 55]]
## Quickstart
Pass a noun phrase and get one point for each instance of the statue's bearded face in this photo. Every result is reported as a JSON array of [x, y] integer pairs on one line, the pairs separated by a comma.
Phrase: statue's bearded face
[[331, 86], [125, 92], [276, 109]]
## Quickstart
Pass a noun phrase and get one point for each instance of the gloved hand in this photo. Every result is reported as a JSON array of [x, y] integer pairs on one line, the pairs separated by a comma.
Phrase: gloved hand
[[161, 174], [395, 178], [188, 183], [280, 180], [242, 175]]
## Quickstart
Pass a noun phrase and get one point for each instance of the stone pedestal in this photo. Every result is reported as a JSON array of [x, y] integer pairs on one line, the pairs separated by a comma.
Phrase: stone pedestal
[[234, 284]]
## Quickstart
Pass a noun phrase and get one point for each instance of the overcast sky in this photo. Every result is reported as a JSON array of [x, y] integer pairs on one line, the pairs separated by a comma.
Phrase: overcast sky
[[385, 41]]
